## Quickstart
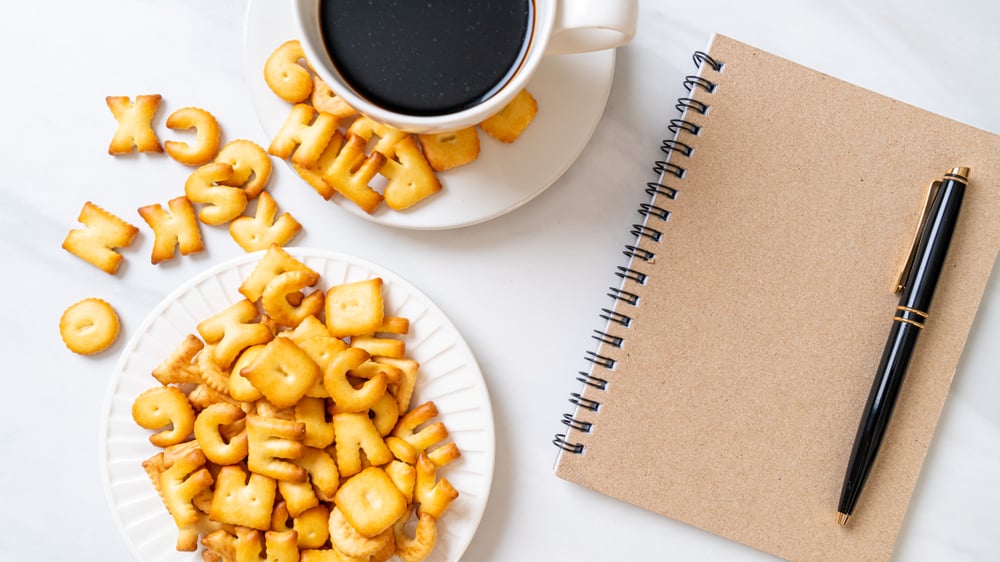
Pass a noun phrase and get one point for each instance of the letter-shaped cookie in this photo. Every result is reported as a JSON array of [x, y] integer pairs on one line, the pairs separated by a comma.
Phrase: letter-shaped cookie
[[433, 495], [312, 525], [232, 330], [388, 137], [179, 484], [285, 76], [355, 433], [275, 262], [95, 244], [370, 501], [175, 229], [282, 373], [513, 119], [352, 172], [243, 501], [135, 127], [319, 430], [208, 434], [411, 178], [445, 151], [166, 408], [301, 137], [420, 546], [206, 143], [322, 471], [179, 366], [271, 440], [276, 297], [261, 231], [354, 309], [223, 203], [251, 166], [346, 397], [298, 496], [323, 99], [426, 437], [345, 538], [324, 164]]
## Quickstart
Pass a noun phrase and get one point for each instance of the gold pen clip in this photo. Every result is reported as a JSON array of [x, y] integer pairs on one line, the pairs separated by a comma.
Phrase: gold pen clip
[[901, 281]]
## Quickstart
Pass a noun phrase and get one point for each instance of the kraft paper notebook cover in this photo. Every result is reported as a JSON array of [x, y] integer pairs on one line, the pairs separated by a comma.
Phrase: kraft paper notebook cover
[[730, 376]]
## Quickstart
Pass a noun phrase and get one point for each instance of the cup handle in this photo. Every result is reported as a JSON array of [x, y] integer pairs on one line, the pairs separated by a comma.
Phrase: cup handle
[[582, 26]]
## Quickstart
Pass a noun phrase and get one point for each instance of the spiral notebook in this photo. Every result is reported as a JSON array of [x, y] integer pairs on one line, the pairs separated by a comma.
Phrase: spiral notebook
[[734, 359]]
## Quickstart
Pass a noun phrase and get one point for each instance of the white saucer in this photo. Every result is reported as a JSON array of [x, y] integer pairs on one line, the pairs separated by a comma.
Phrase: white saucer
[[572, 91]]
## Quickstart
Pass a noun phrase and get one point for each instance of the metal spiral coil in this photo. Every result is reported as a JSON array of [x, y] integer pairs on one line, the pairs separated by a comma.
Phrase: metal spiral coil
[[642, 232]]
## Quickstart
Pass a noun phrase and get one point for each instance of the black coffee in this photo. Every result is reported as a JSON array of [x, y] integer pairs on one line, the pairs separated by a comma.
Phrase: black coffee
[[426, 57]]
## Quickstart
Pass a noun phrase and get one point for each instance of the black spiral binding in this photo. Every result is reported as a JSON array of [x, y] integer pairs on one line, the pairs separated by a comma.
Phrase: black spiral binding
[[637, 254]]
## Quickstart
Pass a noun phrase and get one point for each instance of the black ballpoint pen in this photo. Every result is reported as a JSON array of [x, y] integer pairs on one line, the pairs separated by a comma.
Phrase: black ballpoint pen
[[920, 278]]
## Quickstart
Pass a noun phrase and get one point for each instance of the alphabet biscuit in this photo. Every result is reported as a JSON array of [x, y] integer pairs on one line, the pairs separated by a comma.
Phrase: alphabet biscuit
[[411, 178], [261, 231], [223, 203], [96, 243], [323, 99], [445, 151], [206, 143], [89, 326], [508, 124], [176, 229], [285, 76], [135, 129], [251, 166]]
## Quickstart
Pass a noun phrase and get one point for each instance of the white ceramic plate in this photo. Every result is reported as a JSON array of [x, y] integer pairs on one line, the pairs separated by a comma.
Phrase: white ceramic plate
[[572, 91], [449, 375]]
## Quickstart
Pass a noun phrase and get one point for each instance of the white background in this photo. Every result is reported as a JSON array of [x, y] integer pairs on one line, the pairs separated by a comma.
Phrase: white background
[[524, 289]]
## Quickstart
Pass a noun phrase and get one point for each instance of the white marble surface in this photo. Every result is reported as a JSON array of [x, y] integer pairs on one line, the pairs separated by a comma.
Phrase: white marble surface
[[524, 289]]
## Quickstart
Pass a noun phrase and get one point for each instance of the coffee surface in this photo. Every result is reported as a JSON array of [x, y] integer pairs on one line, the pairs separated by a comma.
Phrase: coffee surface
[[426, 57]]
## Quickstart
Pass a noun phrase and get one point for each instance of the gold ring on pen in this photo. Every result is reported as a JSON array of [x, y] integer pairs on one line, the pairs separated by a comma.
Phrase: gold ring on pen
[[908, 321], [913, 310]]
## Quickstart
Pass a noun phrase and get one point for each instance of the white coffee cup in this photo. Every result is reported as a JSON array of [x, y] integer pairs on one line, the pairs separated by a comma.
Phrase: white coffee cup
[[559, 27]]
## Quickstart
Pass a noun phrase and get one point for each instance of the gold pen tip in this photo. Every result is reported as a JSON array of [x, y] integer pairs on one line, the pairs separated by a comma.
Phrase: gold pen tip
[[842, 519]]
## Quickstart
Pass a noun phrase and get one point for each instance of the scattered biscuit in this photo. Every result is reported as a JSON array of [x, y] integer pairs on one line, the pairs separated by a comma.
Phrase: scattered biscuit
[[352, 172], [508, 124], [243, 499], [232, 330], [303, 136], [179, 366], [96, 243], [173, 230], [323, 99], [261, 231], [135, 128], [323, 166], [387, 136], [421, 544], [89, 326], [445, 151], [285, 76], [208, 133], [411, 178], [251, 166], [350, 542], [222, 203], [164, 408]]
